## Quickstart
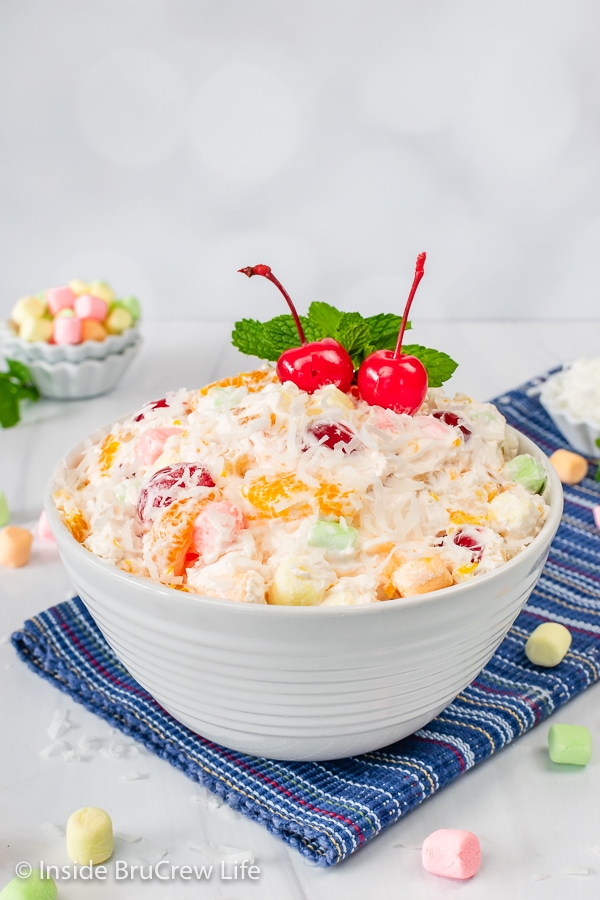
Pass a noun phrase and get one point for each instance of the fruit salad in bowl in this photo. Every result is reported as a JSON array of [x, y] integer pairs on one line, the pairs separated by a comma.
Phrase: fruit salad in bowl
[[333, 524]]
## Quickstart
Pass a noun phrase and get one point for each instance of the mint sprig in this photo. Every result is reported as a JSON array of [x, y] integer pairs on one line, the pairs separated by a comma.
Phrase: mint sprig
[[15, 385], [360, 336]]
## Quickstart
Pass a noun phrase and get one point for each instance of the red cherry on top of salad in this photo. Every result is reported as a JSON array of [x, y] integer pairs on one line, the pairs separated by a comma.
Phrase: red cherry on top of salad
[[312, 365], [391, 379], [166, 484]]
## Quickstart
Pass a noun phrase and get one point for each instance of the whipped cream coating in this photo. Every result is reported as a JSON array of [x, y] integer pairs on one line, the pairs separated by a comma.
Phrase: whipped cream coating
[[267, 494]]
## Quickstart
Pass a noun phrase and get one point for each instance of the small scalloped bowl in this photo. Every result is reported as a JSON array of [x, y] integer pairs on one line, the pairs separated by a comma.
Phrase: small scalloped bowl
[[29, 351], [66, 380], [581, 434]]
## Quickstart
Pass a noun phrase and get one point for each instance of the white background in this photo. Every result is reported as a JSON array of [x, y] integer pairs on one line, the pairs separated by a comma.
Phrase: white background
[[163, 144]]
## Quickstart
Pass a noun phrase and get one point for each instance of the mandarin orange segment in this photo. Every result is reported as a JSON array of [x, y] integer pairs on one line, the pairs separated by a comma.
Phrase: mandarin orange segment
[[77, 524], [171, 534], [459, 517], [333, 501], [254, 381], [108, 450], [279, 496]]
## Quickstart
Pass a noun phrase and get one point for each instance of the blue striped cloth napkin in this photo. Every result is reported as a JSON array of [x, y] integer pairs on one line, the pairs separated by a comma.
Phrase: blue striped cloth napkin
[[329, 810]]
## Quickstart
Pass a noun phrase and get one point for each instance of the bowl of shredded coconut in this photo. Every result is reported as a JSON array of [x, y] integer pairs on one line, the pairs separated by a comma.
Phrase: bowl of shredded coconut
[[571, 398], [303, 575]]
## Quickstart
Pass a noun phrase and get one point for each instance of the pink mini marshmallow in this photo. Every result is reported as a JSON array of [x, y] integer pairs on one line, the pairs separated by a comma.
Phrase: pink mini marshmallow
[[453, 853], [150, 444], [67, 330], [44, 532], [597, 516], [216, 528], [89, 307], [59, 298]]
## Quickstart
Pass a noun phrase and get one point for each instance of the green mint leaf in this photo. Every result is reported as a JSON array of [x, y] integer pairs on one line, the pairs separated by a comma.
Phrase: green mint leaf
[[19, 371], [383, 330], [597, 442], [249, 337], [9, 404], [439, 366], [353, 334], [281, 332], [324, 319]]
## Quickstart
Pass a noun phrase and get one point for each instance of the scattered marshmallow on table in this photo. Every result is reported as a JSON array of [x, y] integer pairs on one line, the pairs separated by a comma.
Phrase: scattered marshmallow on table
[[570, 467], [570, 744], [451, 852], [4, 511], [34, 887], [597, 516], [90, 838], [44, 532], [15, 546], [547, 645]]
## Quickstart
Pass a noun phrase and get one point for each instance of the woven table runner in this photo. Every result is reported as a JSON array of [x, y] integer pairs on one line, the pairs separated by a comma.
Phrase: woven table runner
[[329, 810]]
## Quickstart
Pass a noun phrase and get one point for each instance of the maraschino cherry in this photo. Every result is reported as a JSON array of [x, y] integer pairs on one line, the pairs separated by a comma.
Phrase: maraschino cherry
[[390, 379], [314, 364]]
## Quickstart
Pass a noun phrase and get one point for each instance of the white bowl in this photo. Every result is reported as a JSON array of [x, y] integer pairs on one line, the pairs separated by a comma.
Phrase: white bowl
[[309, 683], [79, 380], [29, 351], [580, 433]]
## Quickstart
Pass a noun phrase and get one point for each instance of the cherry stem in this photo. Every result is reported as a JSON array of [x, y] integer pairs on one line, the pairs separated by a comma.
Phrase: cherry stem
[[419, 272], [265, 271]]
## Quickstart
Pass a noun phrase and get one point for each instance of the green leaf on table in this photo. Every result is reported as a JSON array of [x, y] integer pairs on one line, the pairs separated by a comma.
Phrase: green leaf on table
[[15, 385]]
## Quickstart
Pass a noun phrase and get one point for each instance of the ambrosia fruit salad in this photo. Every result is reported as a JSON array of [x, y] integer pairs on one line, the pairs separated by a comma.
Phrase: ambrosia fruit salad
[[306, 483]]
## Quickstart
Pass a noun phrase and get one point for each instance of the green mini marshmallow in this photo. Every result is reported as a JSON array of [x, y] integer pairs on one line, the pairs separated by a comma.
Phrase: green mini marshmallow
[[333, 536], [65, 313], [547, 645], [570, 744], [4, 511], [131, 304], [526, 470], [33, 887]]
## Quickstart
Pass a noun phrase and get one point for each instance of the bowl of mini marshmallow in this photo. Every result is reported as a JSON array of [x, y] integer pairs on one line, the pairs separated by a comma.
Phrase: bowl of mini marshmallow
[[77, 340]]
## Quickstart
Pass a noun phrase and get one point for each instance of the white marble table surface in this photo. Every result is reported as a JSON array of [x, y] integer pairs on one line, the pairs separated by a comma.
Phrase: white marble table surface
[[539, 825]]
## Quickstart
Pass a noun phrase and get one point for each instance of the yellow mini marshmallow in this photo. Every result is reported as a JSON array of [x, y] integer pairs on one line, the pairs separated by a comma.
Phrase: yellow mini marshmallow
[[419, 576], [294, 585], [32, 329], [570, 467], [118, 320], [27, 307], [102, 290], [15, 546], [80, 287], [89, 836], [548, 644]]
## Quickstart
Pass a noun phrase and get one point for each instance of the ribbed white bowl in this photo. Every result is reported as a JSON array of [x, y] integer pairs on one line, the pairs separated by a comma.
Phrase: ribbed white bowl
[[309, 682], [30, 351], [79, 380]]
